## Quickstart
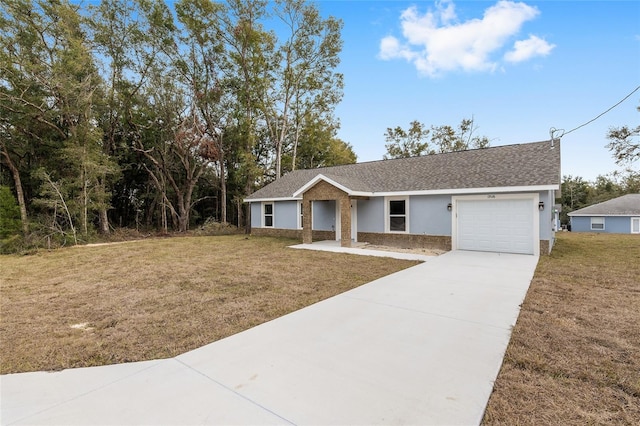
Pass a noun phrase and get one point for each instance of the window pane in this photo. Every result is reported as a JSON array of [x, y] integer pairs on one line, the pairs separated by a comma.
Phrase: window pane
[[597, 223], [268, 221], [397, 224], [268, 209], [396, 207]]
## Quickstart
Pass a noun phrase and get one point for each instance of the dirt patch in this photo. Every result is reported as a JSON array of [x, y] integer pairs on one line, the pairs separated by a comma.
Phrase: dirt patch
[[423, 251]]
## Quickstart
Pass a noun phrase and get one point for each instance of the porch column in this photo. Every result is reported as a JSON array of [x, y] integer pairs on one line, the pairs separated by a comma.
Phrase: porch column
[[345, 221], [307, 220]]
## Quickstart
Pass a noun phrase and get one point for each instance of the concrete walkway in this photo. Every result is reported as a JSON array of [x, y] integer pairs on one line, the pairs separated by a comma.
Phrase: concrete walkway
[[421, 346]]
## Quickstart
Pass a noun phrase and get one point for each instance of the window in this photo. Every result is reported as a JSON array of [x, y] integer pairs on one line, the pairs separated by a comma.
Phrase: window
[[301, 217], [397, 215], [267, 215], [597, 223], [635, 225]]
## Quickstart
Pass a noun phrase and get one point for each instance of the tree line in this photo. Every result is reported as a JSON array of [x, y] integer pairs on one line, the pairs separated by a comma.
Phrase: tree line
[[137, 114]]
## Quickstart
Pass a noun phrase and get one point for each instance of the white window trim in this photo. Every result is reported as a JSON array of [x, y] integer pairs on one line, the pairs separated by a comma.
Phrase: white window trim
[[591, 223], [273, 214], [638, 220], [387, 217]]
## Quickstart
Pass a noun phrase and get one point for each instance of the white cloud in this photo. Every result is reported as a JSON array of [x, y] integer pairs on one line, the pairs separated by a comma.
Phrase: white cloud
[[390, 48], [526, 49], [435, 42]]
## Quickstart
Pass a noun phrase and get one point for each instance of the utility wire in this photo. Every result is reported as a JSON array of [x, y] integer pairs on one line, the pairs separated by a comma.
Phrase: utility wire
[[553, 131], [594, 119]]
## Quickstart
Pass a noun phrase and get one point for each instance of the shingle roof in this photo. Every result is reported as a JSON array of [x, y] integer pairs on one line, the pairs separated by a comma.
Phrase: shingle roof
[[529, 164], [627, 205]]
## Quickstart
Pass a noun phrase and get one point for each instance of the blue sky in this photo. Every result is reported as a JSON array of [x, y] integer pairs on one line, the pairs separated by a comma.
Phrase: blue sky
[[519, 68]]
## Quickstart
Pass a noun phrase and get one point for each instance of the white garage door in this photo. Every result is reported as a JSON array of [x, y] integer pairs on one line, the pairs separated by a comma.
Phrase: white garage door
[[497, 225]]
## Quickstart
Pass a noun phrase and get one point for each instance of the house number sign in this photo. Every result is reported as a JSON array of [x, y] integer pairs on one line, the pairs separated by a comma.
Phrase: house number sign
[[491, 196]]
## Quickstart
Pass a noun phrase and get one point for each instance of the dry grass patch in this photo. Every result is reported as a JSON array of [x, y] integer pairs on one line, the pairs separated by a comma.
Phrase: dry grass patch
[[87, 306], [574, 356]]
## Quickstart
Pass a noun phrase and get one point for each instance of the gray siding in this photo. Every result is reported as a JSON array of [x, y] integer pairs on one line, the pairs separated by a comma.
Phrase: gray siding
[[256, 215], [612, 224], [428, 215], [286, 215], [371, 215], [324, 215]]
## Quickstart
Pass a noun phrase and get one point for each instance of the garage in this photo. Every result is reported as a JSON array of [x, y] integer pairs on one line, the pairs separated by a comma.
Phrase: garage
[[503, 225]]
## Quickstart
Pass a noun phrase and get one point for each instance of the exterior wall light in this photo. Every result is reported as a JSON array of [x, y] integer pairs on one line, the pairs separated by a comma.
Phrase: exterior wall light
[[541, 205], [449, 206]]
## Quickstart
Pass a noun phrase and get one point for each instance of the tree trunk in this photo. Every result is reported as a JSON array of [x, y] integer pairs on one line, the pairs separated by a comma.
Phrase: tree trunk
[[223, 192], [104, 221], [19, 192]]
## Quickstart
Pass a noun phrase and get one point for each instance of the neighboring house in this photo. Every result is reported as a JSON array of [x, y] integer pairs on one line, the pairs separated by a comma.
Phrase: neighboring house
[[618, 216], [498, 199]]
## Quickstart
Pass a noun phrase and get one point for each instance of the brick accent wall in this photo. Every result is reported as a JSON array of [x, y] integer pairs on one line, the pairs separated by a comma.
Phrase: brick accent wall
[[545, 247], [292, 233], [439, 242], [325, 191], [436, 242]]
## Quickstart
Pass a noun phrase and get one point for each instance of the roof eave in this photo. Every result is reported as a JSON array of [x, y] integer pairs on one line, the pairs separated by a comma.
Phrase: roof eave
[[297, 196]]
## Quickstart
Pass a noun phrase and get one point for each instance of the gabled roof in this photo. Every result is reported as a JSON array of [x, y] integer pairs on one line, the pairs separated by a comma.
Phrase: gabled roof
[[531, 165], [627, 205]]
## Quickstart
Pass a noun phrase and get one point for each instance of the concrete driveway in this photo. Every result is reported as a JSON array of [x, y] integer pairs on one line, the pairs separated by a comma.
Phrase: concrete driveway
[[421, 346]]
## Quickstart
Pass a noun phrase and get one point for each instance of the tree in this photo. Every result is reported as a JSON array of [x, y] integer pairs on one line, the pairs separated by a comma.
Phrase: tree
[[413, 142], [247, 70], [49, 92], [303, 78], [319, 147], [9, 214], [407, 143], [202, 69], [461, 139], [128, 36], [624, 143]]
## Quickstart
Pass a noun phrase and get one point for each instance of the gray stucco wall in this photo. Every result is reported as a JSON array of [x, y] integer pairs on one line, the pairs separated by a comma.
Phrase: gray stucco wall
[[428, 215], [286, 215], [371, 215], [324, 215], [612, 224], [256, 215]]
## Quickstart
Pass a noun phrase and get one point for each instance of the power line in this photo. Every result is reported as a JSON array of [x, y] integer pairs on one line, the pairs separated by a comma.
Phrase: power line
[[554, 130]]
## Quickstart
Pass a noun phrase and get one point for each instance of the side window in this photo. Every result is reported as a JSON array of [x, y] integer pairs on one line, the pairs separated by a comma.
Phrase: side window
[[597, 223], [301, 219], [397, 211], [268, 214]]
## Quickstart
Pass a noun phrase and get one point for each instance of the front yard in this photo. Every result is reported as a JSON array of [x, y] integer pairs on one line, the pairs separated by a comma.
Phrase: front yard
[[84, 306], [574, 356]]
